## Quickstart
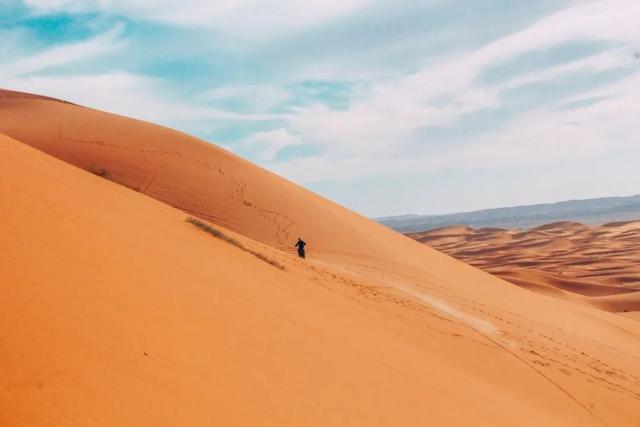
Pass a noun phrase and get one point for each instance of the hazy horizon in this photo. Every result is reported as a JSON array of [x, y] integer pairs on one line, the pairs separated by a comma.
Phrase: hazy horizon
[[505, 207], [389, 108]]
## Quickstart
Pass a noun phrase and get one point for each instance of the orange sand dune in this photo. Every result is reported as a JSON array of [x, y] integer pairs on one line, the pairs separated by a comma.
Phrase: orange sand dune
[[184, 172], [619, 302], [601, 263], [116, 311]]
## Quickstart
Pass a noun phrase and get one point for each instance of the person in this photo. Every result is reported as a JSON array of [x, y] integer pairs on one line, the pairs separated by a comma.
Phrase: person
[[300, 245]]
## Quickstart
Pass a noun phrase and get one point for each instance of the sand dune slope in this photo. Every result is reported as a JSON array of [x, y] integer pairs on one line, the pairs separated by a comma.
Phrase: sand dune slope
[[116, 311], [186, 173]]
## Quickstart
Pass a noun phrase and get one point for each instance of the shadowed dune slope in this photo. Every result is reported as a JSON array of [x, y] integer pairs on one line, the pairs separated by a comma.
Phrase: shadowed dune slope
[[116, 311]]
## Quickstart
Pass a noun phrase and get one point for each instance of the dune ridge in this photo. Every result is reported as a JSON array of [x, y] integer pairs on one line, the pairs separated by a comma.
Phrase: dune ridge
[[117, 311]]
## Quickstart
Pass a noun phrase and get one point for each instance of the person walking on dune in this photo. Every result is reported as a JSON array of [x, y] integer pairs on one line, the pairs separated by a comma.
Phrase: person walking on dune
[[300, 245]]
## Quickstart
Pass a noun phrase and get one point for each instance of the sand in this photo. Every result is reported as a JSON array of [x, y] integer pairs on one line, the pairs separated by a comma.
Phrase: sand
[[117, 311], [598, 265]]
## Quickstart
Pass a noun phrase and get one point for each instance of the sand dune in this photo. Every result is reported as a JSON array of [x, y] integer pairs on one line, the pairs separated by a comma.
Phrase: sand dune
[[599, 265], [186, 173], [117, 311]]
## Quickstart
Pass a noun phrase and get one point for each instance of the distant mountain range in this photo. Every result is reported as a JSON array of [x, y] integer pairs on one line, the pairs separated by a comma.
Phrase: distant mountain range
[[590, 211]]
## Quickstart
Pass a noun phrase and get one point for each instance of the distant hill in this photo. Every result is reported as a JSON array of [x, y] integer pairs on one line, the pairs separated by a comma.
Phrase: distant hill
[[590, 211]]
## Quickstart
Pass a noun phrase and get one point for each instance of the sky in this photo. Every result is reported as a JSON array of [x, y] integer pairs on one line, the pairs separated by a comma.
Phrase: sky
[[387, 107]]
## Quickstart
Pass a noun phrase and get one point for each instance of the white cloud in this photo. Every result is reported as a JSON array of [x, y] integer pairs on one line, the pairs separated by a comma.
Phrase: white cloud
[[119, 91], [265, 145], [613, 59], [128, 94], [378, 121], [12, 45], [614, 20], [64, 54], [252, 19], [256, 98], [536, 139]]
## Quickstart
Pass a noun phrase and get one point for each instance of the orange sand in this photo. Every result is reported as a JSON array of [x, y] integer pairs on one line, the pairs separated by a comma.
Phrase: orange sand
[[599, 265], [116, 311]]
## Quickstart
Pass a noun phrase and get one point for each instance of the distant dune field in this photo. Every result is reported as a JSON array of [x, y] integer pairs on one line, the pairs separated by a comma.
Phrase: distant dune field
[[599, 265], [148, 278]]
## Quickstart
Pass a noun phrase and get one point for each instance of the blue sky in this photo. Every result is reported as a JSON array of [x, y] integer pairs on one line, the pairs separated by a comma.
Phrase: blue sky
[[387, 107]]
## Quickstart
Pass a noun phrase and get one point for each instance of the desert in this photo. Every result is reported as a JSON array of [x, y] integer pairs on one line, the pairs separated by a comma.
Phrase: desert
[[598, 265], [117, 310]]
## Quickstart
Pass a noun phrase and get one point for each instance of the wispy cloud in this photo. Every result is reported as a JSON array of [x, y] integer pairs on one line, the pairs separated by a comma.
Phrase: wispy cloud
[[238, 18], [361, 91], [122, 92], [381, 120], [63, 55]]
